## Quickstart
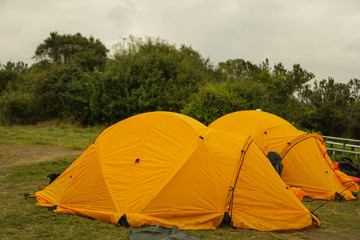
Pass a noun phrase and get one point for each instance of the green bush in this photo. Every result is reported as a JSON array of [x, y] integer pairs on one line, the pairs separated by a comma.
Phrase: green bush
[[147, 75], [18, 107], [62, 93], [212, 102]]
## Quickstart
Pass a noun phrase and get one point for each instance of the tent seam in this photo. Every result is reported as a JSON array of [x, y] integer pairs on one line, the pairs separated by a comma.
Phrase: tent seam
[[176, 172], [187, 124], [147, 124], [212, 170], [102, 174], [301, 140], [70, 184], [242, 156]]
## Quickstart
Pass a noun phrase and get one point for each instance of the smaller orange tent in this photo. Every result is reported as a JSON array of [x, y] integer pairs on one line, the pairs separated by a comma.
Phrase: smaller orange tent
[[305, 160], [169, 169]]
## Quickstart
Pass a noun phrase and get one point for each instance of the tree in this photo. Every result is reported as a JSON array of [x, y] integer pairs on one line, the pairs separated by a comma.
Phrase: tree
[[148, 75], [239, 68], [332, 108], [275, 88], [354, 125], [67, 48], [10, 73]]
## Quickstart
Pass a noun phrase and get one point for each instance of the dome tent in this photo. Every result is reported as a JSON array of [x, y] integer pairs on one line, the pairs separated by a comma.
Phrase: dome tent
[[169, 169], [305, 161]]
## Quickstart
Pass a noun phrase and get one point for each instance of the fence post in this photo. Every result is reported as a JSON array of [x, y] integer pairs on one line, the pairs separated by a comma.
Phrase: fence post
[[344, 147], [333, 153]]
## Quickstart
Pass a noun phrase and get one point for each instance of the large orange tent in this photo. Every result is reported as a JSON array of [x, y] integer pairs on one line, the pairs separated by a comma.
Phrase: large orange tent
[[305, 160], [169, 169]]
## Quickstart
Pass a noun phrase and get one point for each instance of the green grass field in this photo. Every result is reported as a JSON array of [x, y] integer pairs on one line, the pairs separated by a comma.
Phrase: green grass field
[[20, 218], [65, 136]]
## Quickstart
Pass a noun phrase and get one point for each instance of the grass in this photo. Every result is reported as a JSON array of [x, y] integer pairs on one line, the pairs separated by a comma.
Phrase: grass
[[65, 136], [22, 219]]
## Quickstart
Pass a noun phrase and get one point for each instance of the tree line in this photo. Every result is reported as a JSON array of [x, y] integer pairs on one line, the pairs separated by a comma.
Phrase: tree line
[[75, 78]]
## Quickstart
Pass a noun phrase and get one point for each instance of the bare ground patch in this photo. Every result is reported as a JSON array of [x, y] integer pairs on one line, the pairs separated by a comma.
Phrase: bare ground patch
[[11, 155]]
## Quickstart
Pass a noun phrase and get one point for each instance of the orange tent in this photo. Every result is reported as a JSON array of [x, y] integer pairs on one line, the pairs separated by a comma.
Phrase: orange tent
[[169, 169], [305, 160]]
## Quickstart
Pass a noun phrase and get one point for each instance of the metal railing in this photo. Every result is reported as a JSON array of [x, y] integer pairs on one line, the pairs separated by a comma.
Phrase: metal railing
[[345, 145]]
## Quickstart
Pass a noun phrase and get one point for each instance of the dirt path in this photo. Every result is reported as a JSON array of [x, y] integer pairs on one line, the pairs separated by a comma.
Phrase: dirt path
[[17, 155]]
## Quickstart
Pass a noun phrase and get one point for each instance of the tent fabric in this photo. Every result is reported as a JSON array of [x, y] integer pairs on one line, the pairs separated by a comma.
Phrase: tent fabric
[[305, 160], [356, 179], [297, 192], [167, 169]]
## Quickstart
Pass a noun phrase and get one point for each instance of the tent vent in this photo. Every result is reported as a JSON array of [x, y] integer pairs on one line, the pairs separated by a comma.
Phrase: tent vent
[[201, 137], [137, 160], [265, 133]]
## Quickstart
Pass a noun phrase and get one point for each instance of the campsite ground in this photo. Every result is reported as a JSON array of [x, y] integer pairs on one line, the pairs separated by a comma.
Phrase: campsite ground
[[28, 154]]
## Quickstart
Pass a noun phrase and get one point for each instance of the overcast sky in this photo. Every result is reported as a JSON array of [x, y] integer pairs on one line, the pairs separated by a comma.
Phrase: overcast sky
[[322, 35]]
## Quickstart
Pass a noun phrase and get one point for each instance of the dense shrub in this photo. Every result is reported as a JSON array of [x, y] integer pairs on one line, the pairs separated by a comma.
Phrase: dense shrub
[[63, 92], [213, 101], [148, 75], [17, 107]]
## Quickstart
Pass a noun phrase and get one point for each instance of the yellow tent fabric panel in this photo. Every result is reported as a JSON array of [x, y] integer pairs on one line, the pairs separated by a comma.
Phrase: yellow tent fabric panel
[[191, 191], [52, 194], [82, 189], [190, 221], [224, 152]]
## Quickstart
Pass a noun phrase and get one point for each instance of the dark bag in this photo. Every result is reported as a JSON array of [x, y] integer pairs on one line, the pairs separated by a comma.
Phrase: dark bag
[[347, 166], [53, 176], [275, 160]]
